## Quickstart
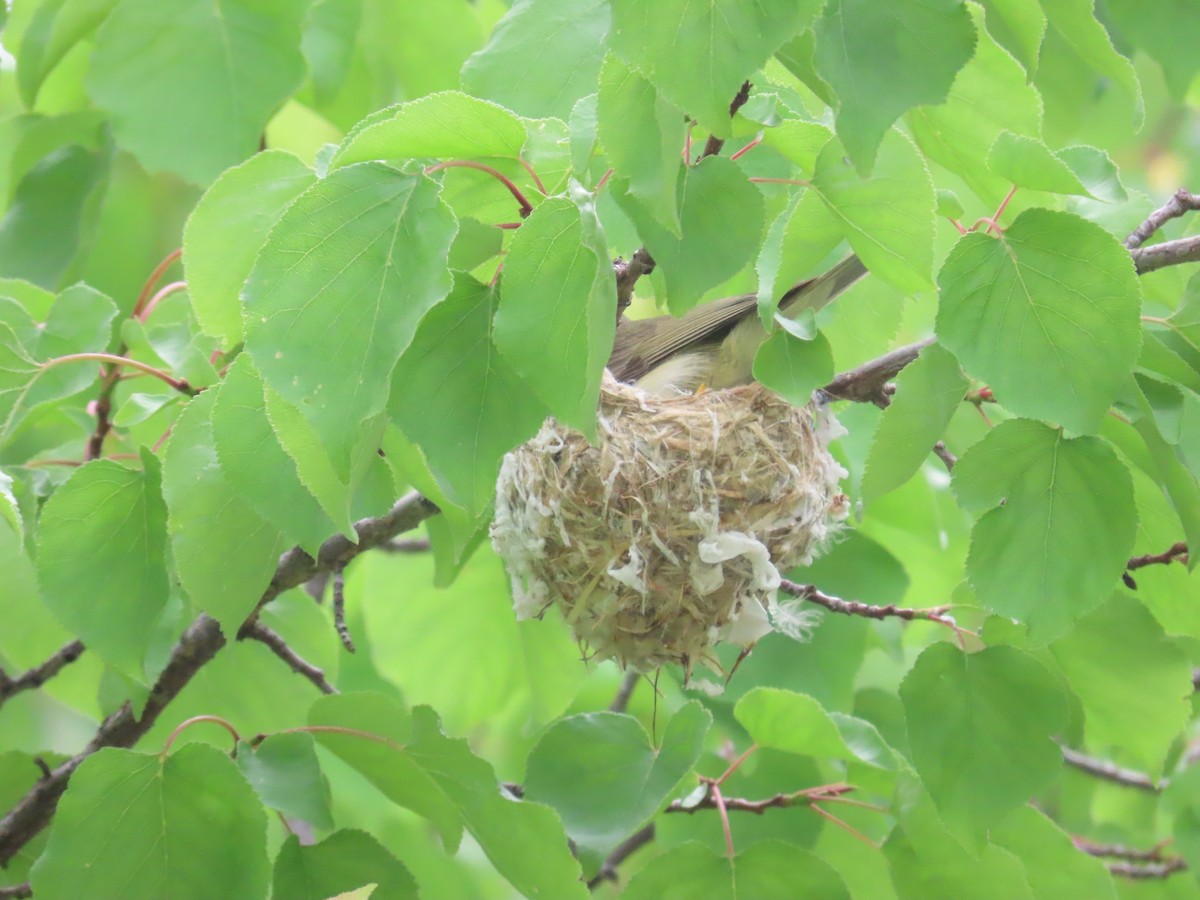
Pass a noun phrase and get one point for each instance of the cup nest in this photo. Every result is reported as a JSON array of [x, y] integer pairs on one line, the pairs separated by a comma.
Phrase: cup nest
[[669, 535]]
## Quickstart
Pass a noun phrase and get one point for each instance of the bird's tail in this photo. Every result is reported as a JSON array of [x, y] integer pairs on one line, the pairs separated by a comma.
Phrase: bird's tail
[[818, 292]]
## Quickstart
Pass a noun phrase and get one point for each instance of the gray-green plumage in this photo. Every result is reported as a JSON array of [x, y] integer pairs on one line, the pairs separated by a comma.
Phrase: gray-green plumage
[[714, 344]]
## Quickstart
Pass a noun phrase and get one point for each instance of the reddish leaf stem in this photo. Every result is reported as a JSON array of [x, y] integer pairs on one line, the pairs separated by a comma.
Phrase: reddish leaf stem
[[194, 720], [526, 206], [153, 280], [172, 288], [177, 383]]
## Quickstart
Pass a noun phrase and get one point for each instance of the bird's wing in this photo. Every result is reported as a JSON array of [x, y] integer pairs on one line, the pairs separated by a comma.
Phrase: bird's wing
[[632, 359], [710, 322]]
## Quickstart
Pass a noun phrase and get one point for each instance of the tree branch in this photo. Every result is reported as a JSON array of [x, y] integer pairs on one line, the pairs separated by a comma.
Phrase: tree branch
[[628, 273], [868, 383], [1168, 253], [1181, 202], [1111, 771], [199, 643], [948, 459], [17, 891], [1176, 551], [622, 852], [1119, 851], [1141, 871], [714, 144], [40, 674], [257, 631], [856, 608]]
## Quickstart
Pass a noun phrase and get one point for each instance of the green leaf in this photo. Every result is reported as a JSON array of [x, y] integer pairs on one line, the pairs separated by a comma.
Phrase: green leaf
[[334, 490], [800, 142], [384, 759], [1096, 171], [558, 304], [344, 861], [642, 135], [793, 367], [328, 45], [721, 219], [79, 322], [1135, 691], [218, 68], [542, 56], [1020, 26], [256, 466], [208, 520], [449, 125], [1177, 479], [698, 54], [429, 42], [58, 197], [927, 862], [600, 771], [1165, 30], [1058, 528], [771, 870], [1047, 314], [440, 778], [55, 27], [336, 293], [524, 841], [1029, 163], [226, 229], [989, 95], [494, 669], [888, 217], [17, 374], [789, 721], [928, 392], [1053, 864], [1076, 24], [811, 234], [286, 774], [185, 825], [862, 46], [101, 544], [980, 728], [454, 367]]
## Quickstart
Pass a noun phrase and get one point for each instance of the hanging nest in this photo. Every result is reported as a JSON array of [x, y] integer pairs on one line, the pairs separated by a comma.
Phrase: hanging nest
[[669, 535]]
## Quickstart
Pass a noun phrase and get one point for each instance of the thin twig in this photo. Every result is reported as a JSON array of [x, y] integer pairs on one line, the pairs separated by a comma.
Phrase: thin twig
[[525, 206], [1119, 851], [407, 545], [947, 458], [628, 683], [1175, 552], [199, 643], [17, 891], [1142, 871], [857, 608], [714, 144], [339, 609], [758, 807], [257, 631], [622, 852], [39, 674], [1111, 771]]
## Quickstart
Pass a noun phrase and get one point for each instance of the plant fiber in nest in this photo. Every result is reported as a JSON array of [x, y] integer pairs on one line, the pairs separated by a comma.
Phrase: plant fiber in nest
[[670, 535]]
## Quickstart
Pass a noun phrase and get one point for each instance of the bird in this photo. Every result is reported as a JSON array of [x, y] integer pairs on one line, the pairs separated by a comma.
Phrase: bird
[[713, 345]]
